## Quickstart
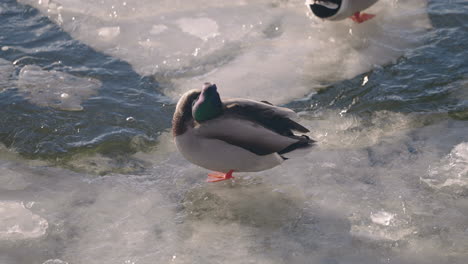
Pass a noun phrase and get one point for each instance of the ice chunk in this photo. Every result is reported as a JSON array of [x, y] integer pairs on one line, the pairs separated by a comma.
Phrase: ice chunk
[[203, 28], [157, 29], [55, 89], [451, 173], [376, 232], [365, 80], [18, 223], [109, 33], [55, 261], [382, 218], [383, 226]]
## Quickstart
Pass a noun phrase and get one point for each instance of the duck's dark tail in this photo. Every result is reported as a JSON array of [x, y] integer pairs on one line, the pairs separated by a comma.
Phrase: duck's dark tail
[[304, 142]]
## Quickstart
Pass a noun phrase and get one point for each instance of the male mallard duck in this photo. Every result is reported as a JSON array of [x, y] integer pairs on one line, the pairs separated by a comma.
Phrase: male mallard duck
[[234, 134], [341, 9]]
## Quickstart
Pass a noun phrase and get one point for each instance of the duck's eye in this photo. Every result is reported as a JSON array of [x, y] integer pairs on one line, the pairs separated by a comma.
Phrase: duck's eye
[[195, 100]]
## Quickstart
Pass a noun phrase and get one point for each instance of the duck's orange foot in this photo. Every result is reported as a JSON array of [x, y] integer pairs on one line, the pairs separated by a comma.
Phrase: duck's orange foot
[[361, 17], [219, 176]]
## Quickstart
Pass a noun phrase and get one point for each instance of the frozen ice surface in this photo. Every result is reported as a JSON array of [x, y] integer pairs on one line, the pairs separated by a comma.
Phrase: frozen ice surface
[[382, 218], [12, 180], [387, 189], [55, 261], [109, 32], [451, 173], [18, 223], [55, 89], [242, 46], [203, 28], [359, 203]]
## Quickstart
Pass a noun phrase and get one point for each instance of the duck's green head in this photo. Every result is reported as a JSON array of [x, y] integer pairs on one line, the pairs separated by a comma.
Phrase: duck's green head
[[208, 105]]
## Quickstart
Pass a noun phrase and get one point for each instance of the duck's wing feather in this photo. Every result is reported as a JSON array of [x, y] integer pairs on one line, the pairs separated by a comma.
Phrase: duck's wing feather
[[246, 134], [272, 117]]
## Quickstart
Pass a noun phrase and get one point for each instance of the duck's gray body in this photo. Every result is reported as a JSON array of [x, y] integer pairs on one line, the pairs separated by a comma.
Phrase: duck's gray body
[[218, 155], [249, 136], [338, 9]]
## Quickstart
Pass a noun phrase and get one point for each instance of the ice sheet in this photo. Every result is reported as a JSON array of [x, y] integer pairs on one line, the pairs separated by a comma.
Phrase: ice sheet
[[451, 172], [355, 204], [55, 89], [244, 48], [372, 191], [18, 223]]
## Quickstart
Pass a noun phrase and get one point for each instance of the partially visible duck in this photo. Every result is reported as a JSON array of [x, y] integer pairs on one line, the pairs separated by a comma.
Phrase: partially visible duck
[[234, 135], [341, 9]]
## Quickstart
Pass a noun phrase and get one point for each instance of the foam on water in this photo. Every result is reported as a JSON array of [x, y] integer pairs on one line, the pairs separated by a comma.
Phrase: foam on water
[[55, 89], [245, 49]]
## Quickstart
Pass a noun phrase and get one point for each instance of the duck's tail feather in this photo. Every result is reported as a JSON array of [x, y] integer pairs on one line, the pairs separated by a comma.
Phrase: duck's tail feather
[[304, 142], [293, 125]]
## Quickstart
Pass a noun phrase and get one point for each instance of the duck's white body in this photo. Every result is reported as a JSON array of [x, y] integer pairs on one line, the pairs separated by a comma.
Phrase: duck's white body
[[338, 9]]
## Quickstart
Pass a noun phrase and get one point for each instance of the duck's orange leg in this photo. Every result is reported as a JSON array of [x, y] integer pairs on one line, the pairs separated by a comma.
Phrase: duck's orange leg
[[359, 17], [219, 176]]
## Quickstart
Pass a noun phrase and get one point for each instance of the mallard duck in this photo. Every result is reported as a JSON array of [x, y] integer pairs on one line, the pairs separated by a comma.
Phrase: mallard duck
[[341, 9], [233, 135]]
